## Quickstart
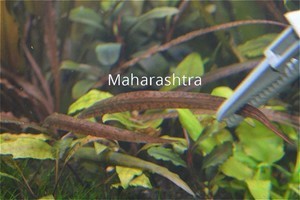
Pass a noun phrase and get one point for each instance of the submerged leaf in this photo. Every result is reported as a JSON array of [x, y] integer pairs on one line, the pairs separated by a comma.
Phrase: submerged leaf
[[126, 174], [86, 16], [87, 100], [234, 168], [260, 143], [191, 66], [133, 162], [26, 147], [155, 13], [142, 181], [165, 154], [190, 123], [256, 47], [260, 189], [81, 87], [108, 53]]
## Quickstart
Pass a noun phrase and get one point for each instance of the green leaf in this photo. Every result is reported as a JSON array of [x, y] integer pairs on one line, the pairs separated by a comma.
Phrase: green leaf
[[142, 181], [108, 53], [121, 159], [190, 66], [190, 123], [218, 155], [87, 100], [25, 148], [222, 91], [81, 87], [161, 153], [86, 16], [260, 189], [60, 147], [256, 47], [260, 143], [49, 197], [10, 137], [3, 174], [155, 13], [99, 148], [126, 174], [125, 119], [84, 68], [234, 168]]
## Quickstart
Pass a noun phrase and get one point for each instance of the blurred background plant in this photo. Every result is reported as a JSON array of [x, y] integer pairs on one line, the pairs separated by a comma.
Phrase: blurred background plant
[[56, 52]]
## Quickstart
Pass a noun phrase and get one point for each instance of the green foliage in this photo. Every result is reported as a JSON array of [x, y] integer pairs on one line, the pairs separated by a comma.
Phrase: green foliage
[[87, 100], [88, 40], [25, 146], [190, 123], [161, 153], [255, 47]]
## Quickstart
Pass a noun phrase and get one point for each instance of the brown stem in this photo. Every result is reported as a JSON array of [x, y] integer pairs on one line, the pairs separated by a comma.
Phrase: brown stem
[[50, 39]]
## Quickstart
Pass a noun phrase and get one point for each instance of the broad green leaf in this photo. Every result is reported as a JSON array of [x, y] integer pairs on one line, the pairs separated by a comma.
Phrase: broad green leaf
[[141, 181], [256, 47], [99, 148], [218, 155], [85, 68], [190, 123], [190, 66], [87, 100], [26, 148], [234, 168], [222, 91], [161, 153], [260, 189], [10, 137], [260, 143], [86, 16], [126, 174], [125, 119], [81, 87], [108, 53], [155, 13], [121, 159], [3, 174]]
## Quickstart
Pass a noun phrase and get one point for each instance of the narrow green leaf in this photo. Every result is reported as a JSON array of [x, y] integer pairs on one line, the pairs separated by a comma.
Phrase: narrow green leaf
[[87, 100], [234, 168], [191, 66], [108, 53], [84, 68], [165, 154], [3, 174], [126, 174], [155, 13], [260, 189], [190, 123], [86, 16], [26, 148]]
